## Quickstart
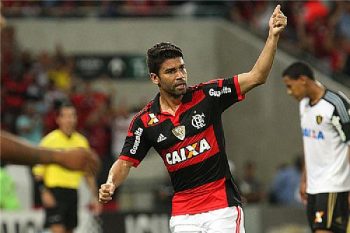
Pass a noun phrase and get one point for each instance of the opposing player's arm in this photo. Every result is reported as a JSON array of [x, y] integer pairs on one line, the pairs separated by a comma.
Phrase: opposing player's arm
[[260, 71], [18, 151], [117, 175]]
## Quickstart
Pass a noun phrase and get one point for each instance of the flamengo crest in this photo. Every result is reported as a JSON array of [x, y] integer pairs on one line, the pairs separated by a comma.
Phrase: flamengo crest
[[179, 132], [198, 120]]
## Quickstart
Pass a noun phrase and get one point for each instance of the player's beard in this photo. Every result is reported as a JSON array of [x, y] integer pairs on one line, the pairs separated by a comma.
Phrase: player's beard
[[178, 90]]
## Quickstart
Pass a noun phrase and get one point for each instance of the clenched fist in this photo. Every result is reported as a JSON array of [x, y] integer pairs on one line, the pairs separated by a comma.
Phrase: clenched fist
[[278, 21], [105, 193]]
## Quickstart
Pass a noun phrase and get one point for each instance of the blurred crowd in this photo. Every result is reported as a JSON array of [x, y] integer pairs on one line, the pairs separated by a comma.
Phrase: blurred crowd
[[34, 85], [317, 30]]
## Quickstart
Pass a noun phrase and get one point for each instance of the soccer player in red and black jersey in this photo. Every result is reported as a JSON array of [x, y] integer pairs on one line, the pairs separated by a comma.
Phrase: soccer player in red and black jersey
[[183, 124]]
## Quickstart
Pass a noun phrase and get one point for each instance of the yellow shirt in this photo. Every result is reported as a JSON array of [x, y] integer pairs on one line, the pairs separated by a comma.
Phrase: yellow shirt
[[61, 79], [55, 175]]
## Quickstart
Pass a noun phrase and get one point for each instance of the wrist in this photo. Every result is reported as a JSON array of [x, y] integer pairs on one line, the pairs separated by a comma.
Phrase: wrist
[[273, 36], [110, 180]]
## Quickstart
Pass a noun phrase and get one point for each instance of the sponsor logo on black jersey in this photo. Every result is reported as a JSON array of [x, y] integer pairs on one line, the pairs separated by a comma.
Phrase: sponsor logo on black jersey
[[153, 119], [187, 152], [224, 90], [138, 134]]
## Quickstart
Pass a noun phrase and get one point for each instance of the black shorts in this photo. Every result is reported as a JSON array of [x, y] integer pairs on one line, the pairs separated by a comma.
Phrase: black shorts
[[66, 210], [328, 211]]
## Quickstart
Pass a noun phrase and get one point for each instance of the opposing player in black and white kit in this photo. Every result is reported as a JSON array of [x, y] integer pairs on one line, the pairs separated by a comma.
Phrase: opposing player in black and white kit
[[325, 123], [184, 126]]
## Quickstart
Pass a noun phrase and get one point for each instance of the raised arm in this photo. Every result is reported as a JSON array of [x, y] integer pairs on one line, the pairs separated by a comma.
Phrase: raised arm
[[117, 174], [262, 67]]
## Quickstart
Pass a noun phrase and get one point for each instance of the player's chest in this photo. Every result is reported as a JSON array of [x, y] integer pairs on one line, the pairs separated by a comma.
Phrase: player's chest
[[190, 122], [316, 122]]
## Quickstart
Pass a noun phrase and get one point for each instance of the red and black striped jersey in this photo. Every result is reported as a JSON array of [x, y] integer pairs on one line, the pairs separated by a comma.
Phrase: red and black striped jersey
[[191, 144]]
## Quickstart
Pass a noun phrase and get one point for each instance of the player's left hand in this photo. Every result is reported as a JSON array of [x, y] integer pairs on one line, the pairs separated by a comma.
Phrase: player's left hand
[[277, 22]]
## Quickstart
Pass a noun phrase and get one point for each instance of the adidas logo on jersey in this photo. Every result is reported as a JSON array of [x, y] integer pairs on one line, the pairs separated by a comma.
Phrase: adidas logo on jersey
[[161, 138]]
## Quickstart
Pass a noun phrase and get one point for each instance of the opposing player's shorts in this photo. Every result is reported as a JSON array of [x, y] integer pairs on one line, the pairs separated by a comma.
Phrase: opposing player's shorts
[[66, 210], [328, 211], [226, 220]]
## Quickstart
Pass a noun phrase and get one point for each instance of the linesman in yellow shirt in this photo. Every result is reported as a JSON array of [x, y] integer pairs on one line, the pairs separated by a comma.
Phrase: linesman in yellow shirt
[[59, 192]]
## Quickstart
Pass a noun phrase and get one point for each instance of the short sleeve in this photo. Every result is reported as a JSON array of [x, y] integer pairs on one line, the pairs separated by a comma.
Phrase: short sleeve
[[136, 144], [224, 92]]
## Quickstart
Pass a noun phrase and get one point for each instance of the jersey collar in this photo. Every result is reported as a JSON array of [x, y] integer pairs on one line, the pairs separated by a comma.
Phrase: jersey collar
[[155, 107]]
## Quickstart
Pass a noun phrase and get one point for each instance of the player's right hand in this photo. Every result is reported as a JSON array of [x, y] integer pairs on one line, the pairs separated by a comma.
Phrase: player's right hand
[[278, 21], [105, 192]]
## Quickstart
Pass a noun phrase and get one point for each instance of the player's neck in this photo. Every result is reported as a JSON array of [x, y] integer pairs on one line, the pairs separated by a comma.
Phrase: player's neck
[[169, 103], [316, 93]]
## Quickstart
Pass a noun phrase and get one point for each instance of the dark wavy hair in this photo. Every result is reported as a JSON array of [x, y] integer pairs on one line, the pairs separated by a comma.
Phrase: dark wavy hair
[[297, 69], [159, 53]]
